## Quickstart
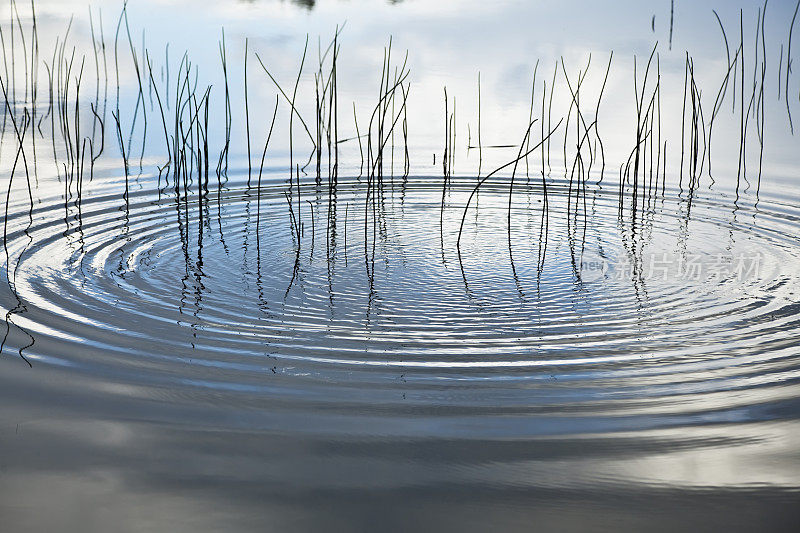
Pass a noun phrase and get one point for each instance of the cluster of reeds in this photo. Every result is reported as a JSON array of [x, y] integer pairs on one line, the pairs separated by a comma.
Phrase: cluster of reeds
[[383, 123], [184, 108], [22, 121], [587, 140], [638, 171]]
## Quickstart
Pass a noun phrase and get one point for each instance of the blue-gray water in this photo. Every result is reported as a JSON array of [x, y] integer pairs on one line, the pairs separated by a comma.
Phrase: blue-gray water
[[181, 357]]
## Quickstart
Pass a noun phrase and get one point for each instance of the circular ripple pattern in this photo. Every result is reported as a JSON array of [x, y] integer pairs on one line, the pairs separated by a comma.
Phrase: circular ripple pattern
[[681, 313]]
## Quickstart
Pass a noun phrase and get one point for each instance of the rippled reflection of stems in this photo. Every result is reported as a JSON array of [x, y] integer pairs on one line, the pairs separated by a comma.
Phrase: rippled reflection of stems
[[525, 142], [11, 277]]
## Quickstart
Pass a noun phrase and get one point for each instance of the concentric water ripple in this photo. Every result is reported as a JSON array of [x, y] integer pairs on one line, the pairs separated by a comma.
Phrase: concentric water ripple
[[684, 313]]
